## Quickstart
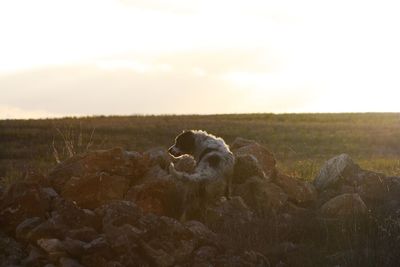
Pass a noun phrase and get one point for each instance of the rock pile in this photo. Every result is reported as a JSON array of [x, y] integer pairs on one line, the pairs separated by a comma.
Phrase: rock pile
[[120, 208]]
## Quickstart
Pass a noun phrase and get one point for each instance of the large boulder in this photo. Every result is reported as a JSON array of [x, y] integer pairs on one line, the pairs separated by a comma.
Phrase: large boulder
[[92, 190], [246, 166], [160, 196], [261, 196], [343, 205], [334, 170], [22, 200], [298, 191], [131, 165], [265, 158]]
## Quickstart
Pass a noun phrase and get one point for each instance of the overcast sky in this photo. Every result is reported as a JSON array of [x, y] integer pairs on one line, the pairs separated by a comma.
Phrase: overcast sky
[[84, 57]]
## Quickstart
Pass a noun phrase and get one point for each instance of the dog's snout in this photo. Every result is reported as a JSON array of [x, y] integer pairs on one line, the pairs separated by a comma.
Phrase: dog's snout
[[171, 150]]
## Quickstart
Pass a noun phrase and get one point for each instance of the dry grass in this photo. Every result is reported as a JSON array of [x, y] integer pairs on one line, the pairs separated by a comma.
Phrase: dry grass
[[300, 142]]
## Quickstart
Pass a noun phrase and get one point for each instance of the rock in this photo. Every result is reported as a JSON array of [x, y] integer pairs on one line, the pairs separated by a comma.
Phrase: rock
[[203, 256], [46, 230], [11, 252], [68, 213], [118, 212], [53, 247], [74, 248], [160, 196], [228, 212], [338, 168], [264, 157], [34, 176], [204, 236], [185, 163], [261, 196], [24, 228], [68, 262], [93, 190], [85, 234], [115, 162], [246, 166], [22, 200], [373, 188], [344, 205], [36, 257], [300, 192]]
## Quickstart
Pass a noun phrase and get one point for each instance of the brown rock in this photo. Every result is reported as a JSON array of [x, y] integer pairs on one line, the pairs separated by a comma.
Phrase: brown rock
[[22, 200], [246, 166], [66, 212], [264, 157], [93, 190], [115, 161], [159, 196], [343, 205], [24, 228], [300, 192], [228, 212], [85, 234], [262, 196], [53, 247]]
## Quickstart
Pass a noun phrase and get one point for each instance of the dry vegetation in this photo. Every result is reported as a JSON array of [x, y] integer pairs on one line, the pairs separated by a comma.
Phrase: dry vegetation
[[300, 142]]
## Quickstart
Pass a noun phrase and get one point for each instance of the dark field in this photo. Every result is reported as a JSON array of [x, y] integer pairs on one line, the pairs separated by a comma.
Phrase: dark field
[[300, 142]]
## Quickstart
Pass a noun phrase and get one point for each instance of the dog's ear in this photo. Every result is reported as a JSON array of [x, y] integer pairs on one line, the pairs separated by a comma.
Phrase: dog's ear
[[186, 142]]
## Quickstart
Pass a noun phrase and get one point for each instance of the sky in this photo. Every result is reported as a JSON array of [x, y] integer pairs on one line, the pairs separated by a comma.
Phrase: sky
[[120, 57]]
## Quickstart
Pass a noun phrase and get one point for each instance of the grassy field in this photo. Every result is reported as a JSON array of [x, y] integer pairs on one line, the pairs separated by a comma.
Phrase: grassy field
[[300, 142]]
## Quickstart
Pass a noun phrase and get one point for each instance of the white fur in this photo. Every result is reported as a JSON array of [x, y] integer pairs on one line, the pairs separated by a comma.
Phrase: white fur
[[203, 171]]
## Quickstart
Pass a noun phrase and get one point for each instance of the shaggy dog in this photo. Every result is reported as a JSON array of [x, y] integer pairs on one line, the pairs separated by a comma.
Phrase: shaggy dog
[[214, 165]]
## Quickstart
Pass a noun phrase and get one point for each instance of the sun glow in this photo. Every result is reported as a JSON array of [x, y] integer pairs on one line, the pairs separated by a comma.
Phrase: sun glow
[[261, 56]]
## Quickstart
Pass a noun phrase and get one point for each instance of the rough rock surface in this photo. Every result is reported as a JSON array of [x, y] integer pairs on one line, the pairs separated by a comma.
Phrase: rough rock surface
[[335, 169], [265, 158], [344, 205], [119, 208], [90, 191]]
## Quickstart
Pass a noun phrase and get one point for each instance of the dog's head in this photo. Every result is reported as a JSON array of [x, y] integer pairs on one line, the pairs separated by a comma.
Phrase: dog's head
[[184, 144]]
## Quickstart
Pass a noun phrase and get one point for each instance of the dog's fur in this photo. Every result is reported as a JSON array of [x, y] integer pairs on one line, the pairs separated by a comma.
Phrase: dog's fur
[[214, 163]]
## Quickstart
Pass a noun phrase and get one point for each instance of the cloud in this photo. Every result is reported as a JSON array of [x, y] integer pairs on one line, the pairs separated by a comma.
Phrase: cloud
[[10, 112]]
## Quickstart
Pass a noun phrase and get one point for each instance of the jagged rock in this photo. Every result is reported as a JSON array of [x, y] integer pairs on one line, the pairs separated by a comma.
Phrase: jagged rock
[[85, 234], [68, 262], [204, 236], [74, 248], [246, 166], [36, 257], [118, 162], [93, 190], [160, 196], [264, 157], [24, 228], [338, 168], [66, 212], [261, 196], [204, 256], [53, 247], [228, 212], [45, 230], [344, 205], [300, 192], [11, 252], [248, 258], [374, 187], [34, 176], [22, 200]]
